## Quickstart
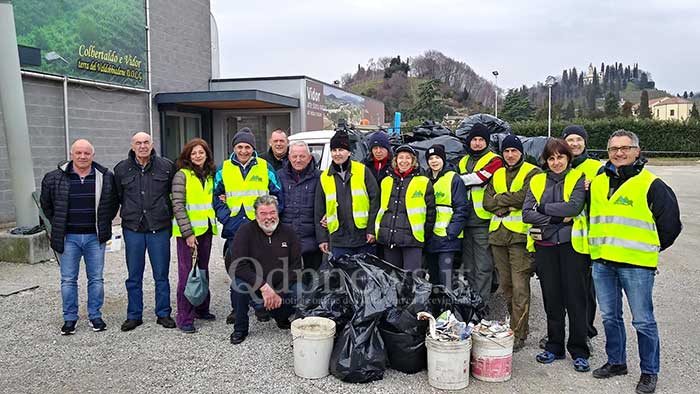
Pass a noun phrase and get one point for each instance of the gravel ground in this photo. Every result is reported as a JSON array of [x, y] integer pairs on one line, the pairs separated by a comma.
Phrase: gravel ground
[[34, 357]]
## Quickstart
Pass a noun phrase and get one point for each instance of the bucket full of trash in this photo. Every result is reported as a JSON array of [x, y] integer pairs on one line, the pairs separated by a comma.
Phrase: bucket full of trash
[[313, 342], [449, 346], [492, 351]]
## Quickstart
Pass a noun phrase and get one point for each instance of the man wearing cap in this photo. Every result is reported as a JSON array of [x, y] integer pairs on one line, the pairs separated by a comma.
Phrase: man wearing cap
[[476, 169], [634, 216], [348, 199], [379, 160], [504, 198], [239, 181]]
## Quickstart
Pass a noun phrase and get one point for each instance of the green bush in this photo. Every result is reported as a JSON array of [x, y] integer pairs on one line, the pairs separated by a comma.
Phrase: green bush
[[654, 135]]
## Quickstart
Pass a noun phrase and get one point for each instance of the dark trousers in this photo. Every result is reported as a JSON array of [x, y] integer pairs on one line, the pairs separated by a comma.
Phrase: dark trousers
[[406, 258], [243, 295], [257, 306], [440, 267], [562, 272], [186, 312], [157, 243], [312, 264], [591, 306]]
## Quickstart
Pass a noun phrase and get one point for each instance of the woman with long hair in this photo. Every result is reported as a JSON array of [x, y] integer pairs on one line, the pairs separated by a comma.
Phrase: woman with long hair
[[194, 224]]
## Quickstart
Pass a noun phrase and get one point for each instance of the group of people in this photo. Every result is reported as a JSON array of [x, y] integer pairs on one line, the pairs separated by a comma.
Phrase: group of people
[[595, 230]]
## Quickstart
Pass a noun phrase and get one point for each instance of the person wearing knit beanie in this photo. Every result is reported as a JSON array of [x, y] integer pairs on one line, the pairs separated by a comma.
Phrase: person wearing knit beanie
[[478, 130], [379, 160], [437, 150], [340, 140], [512, 141], [244, 135]]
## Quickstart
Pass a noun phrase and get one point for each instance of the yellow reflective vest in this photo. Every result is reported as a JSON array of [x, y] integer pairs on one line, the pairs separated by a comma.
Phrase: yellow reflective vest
[[198, 203], [622, 226], [514, 220], [476, 193], [416, 209], [359, 196], [590, 168], [579, 228], [243, 192], [443, 204]]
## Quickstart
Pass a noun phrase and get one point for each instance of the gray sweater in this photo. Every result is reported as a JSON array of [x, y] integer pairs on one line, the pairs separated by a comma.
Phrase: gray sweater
[[554, 230]]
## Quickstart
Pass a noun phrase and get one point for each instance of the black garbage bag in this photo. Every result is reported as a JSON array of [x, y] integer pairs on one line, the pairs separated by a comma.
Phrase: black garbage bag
[[532, 146], [461, 300], [494, 125], [454, 149], [358, 354], [427, 130], [406, 352], [326, 297]]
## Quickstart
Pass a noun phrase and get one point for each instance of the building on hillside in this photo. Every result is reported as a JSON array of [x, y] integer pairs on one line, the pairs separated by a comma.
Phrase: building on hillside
[[668, 108]]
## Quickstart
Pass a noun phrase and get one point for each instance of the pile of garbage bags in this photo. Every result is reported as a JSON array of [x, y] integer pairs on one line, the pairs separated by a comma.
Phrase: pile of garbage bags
[[374, 305]]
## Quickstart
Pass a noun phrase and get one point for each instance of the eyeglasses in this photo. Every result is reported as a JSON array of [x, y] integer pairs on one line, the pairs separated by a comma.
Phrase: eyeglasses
[[624, 149]]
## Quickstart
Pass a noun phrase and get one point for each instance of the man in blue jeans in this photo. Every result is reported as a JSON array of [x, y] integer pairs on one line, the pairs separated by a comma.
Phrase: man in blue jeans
[[80, 202], [634, 215], [143, 183]]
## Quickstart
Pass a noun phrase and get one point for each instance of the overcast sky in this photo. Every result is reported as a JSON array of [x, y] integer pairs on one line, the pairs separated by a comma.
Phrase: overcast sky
[[525, 40]]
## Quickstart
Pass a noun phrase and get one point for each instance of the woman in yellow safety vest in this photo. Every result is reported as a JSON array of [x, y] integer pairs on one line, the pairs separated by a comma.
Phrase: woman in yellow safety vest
[[554, 207], [406, 211], [194, 224]]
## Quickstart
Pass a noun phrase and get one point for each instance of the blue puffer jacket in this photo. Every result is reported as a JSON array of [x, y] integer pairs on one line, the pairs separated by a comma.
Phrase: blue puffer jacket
[[299, 191], [223, 213], [459, 218]]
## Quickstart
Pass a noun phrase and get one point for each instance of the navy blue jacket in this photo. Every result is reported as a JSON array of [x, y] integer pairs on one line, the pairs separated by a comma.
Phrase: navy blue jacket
[[223, 213], [299, 191], [459, 217]]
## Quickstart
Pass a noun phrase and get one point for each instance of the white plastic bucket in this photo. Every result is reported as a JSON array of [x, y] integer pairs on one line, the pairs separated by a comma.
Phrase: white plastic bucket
[[492, 358], [312, 338], [448, 363]]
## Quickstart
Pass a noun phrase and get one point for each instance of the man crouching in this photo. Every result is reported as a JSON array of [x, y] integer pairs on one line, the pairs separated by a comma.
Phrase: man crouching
[[265, 259]]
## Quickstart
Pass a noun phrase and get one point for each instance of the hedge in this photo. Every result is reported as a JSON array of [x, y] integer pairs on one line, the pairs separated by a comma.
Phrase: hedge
[[656, 137]]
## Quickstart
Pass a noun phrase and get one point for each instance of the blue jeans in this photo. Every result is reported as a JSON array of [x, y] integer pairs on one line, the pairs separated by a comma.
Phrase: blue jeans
[[638, 284], [75, 247], [242, 296], [158, 245]]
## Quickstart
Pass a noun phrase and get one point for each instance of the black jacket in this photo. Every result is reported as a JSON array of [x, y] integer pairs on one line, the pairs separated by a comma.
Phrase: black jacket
[[145, 192], [299, 191], [381, 174], [55, 189], [270, 158], [394, 228]]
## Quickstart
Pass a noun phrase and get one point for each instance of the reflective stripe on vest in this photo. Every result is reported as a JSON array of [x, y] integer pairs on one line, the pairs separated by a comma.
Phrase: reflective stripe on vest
[[514, 220], [443, 204], [243, 192], [622, 226], [198, 204], [476, 193], [416, 209], [360, 197], [579, 227]]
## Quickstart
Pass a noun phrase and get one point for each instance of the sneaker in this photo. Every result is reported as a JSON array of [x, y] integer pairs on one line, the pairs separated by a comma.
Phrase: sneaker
[[188, 329], [98, 324], [543, 342], [166, 322], [609, 370], [647, 383], [231, 318], [581, 365], [206, 316], [130, 324], [238, 337], [68, 327], [548, 357], [262, 315]]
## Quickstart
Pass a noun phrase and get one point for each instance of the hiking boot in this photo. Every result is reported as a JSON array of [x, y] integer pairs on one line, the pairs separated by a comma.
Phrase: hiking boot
[[262, 315], [98, 324], [609, 370], [68, 327], [231, 318], [238, 337], [166, 322], [206, 316], [130, 324], [647, 383]]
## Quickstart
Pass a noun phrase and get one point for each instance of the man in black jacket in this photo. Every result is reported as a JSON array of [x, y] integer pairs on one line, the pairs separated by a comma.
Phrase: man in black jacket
[[143, 182], [79, 200], [278, 151], [265, 259]]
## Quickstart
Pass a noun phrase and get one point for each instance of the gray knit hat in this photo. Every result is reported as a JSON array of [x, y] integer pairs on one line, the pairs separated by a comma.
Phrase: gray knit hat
[[244, 135]]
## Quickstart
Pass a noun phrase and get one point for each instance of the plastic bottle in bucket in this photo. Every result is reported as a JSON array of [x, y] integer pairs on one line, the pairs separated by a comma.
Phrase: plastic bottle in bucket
[[312, 338]]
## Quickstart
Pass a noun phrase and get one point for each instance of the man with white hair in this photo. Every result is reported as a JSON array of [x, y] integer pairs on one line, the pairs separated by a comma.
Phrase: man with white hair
[[265, 259], [80, 202]]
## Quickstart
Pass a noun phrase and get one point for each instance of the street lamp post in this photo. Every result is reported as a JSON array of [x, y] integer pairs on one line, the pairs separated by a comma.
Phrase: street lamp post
[[495, 106], [549, 82]]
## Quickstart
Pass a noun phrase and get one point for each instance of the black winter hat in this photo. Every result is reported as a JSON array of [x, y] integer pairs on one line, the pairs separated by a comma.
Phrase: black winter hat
[[479, 130], [437, 149], [340, 140], [512, 141], [575, 129], [244, 135]]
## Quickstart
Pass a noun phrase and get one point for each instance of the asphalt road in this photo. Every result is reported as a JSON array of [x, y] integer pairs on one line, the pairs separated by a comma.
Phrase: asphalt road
[[34, 357]]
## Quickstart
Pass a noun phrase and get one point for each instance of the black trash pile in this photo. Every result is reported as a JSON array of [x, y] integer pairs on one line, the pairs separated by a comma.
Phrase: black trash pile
[[374, 305], [427, 130]]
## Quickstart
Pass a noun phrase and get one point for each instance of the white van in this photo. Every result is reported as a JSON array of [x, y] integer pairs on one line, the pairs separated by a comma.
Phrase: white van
[[320, 145]]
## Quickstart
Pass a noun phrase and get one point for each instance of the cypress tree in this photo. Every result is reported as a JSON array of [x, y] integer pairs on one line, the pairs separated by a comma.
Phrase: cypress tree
[[644, 110]]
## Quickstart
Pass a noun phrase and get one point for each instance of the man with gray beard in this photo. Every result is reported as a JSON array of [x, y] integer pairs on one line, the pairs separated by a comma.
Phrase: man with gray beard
[[265, 258]]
